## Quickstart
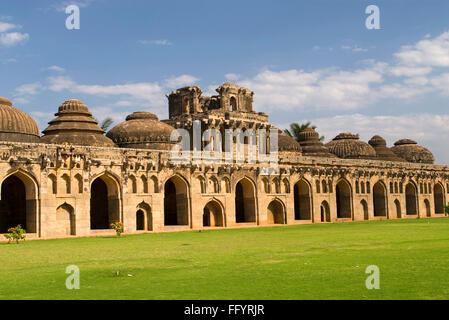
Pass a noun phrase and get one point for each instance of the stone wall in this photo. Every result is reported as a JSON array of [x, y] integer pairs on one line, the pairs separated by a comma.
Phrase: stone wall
[[146, 191]]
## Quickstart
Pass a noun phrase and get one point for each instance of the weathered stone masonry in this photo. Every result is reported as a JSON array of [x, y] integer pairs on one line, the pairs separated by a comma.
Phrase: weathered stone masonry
[[74, 181]]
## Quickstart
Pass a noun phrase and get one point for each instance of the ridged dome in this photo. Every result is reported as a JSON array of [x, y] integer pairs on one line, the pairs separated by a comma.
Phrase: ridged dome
[[142, 130], [74, 125], [383, 152], [287, 143], [16, 125], [412, 152], [311, 145], [348, 146]]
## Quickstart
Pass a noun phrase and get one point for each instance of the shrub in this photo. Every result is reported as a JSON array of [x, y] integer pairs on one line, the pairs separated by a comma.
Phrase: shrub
[[118, 227], [15, 234]]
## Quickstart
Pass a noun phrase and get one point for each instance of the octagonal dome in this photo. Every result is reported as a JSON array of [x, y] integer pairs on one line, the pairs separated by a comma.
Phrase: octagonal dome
[[348, 146], [287, 143], [16, 125], [142, 130], [75, 125], [412, 152], [382, 151], [309, 139]]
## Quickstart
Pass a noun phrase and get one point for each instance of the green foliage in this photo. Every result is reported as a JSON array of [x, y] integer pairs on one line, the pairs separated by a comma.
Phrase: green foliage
[[314, 261], [105, 124], [15, 234], [118, 227], [296, 129]]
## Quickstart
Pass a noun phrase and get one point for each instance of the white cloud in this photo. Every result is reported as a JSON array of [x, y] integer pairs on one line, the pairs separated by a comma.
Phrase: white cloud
[[29, 89], [56, 68], [426, 129], [13, 38], [354, 48], [61, 6], [181, 81], [156, 42], [428, 52], [232, 76], [5, 26]]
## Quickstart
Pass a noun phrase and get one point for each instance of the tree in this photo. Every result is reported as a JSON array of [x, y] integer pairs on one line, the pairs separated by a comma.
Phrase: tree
[[296, 129], [105, 124]]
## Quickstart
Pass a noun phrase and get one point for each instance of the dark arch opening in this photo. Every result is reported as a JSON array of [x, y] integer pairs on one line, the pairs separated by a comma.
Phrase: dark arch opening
[[427, 204], [380, 200], [212, 215], [175, 202], [438, 197], [325, 212], [398, 209], [302, 198], [343, 194], [99, 206], [245, 210], [140, 220], [410, 199], [13, 210], [275, 214]]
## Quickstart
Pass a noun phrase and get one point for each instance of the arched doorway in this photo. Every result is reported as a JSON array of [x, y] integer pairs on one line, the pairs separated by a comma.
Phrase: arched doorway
[[343, 194], [302, 198], [427, 204], [410, 199], [275, 212], [140, 220], [398, 209], [65, 220], [213, 215], [104, 202], [325, 212], [144, 217], [18, 204], [176, 202], [245, 206], [380, 199], [364, 206], [438, 198]]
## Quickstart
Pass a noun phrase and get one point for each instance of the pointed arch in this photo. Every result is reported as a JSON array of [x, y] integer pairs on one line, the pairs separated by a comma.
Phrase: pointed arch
[[438, 198], [214, 186], [411, 199], [154, 186], [79, 183], [144, 217], [52, 181], [427, 205], [325, 212], [104, 201], [65, 220], [66, 185], [364, 207], [398, 209], [245, 202], [176, 201], [380, 199], [303, 200], [132, 184], [344, 199], [144, 184], [19, 201], [213, 214], [276, 212]]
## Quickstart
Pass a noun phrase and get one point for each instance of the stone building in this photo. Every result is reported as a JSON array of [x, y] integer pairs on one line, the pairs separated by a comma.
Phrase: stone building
[[75, 181]]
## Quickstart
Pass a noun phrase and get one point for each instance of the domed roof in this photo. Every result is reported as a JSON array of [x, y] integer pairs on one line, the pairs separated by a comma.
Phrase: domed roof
[[74, 125], [311, 145], [348, 146], [383, 152], [142, 130], [412, 152], [16, 125], [287, 143]]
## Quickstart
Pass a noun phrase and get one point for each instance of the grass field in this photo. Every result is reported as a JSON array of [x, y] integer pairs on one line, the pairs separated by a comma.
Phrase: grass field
[[319, 261]]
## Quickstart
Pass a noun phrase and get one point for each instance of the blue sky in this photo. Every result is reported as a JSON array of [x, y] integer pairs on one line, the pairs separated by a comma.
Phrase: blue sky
[[305, 60]]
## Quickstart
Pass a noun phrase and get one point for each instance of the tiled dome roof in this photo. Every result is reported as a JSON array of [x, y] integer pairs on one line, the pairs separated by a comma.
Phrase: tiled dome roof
[[16, 125], [412, 152], [383, 152], [311, 145], [142, 130], [348, 146], [74, 125], [287, 143]]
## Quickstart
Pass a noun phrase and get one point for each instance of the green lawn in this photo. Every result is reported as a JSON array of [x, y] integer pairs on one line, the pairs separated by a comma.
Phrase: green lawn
[[320, 261]]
